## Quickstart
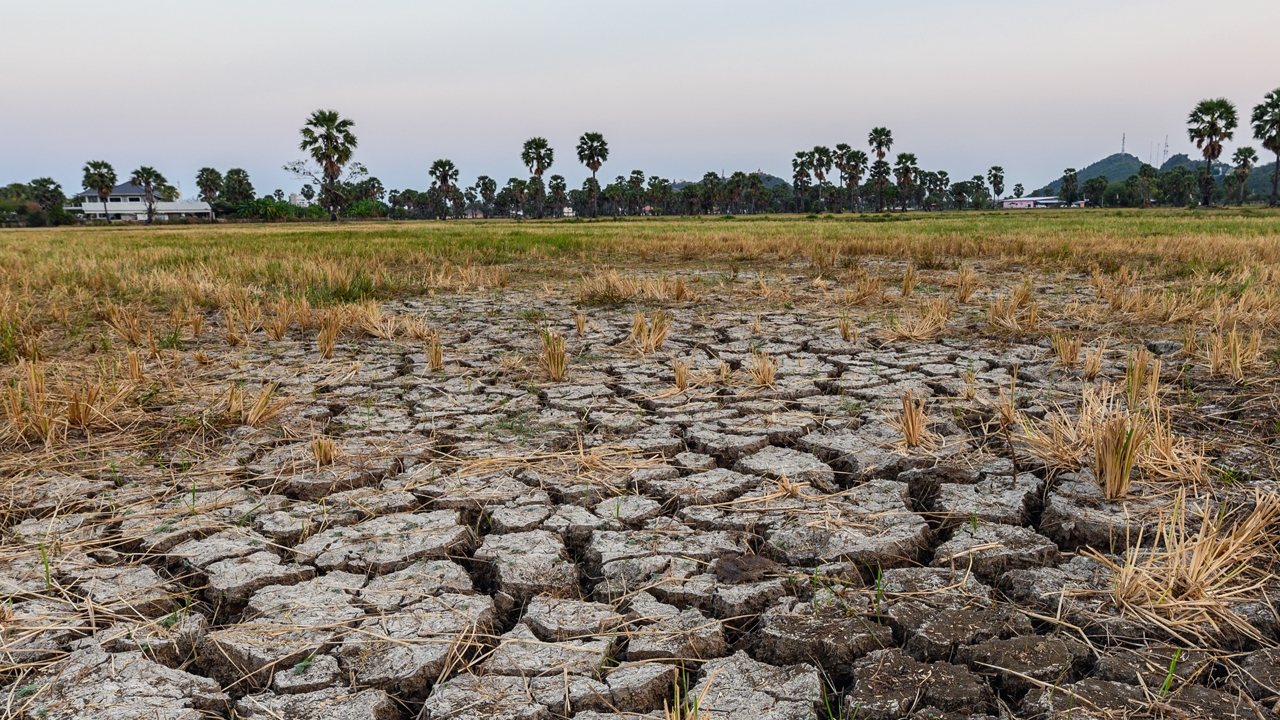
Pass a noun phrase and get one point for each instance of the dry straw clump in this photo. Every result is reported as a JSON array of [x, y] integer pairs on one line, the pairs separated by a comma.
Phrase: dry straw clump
[[763, 370], [1093, 361], [913, 423], [1014, 315], [553, 359], [681, 368], [848, 332], [966, 283], [324, 449], [1189, 581], [1115, 449], [1231, 353], [650, 335], [1066, 348], [927, 323]]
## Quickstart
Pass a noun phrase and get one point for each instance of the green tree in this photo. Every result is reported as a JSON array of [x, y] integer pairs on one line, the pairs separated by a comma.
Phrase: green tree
[[880, 172], [995, 176], [209, 181], [820, 161], [153, 185], [1018, 190], [852, 165], [593, 151], [444, 174], [1210, 124], [558, 190], [328, 137], [880, 139], [1244, 158], [1070, 190], [1266, 130], [801, 166], [488, 189], [308, 193], [47, 193], [537, 155], [1147, 176], [236, 188], [904, 172], [1095, 190], [100, 177]]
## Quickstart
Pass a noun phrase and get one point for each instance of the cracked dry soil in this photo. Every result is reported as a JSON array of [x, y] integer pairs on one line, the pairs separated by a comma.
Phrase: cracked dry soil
[[733, 524]]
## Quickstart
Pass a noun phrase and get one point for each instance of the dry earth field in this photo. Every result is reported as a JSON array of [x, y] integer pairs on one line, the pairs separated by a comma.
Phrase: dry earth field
[[933, 466]]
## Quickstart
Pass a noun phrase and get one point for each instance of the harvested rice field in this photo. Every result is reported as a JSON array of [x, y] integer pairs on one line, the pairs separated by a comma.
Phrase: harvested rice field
[[874, 467]]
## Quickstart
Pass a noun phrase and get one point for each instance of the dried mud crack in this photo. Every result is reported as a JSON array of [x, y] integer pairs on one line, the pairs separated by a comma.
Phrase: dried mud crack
[[757, 496]]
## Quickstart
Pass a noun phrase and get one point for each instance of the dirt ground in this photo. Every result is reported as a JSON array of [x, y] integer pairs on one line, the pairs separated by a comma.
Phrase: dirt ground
[[871, 490]]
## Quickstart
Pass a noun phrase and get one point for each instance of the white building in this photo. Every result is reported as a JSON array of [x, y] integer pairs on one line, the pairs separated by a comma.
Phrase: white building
[[128, 202], [1026, 203]]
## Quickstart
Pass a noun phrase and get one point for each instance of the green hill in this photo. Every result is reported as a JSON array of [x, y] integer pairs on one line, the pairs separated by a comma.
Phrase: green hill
[[1115, 167]]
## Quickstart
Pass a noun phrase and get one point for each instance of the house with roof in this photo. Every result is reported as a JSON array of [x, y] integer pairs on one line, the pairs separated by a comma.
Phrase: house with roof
[[128, 202], [1027, 203]]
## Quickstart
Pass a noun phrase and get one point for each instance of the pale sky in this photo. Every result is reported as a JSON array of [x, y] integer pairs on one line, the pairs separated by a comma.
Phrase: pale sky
[[677, 88]]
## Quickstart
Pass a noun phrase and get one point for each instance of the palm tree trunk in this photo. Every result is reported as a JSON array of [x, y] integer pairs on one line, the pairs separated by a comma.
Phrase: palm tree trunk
[[1275, 181]]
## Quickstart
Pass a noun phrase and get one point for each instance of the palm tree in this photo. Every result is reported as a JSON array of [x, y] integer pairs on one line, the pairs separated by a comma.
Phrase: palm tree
[[47, 193], [905, 170], [996, 177], [1244, 159], [151, 181], [236, 187], [593, 151], [852, 165], [537, 155], [1211, 123], [559, 194], [880, 172], [1018, 190], [209, 181], [880, 140], [820, 161], [488, 189], [100, 177], [1266, 129], [445, 174], [329, 138], [801, 165]]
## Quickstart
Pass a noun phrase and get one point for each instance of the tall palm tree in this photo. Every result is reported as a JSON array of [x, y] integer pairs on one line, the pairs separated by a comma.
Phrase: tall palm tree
[[445, 175], [100, 177], [880, 139], [331, 143], [209, 181], [559, 194], [1211, 123], [1266, 130], [151, 182], [537, 155], [996, 177], [801, 166], [820, 161], [593, 151], [905, 171], [1245, 158], [852, 165]]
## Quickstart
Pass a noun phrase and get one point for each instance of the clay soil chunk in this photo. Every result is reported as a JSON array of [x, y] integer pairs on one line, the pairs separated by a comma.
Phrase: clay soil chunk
[[388, 543]]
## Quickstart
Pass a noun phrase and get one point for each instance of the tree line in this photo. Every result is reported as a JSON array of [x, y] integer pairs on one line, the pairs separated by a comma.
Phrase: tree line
[[823, 180]]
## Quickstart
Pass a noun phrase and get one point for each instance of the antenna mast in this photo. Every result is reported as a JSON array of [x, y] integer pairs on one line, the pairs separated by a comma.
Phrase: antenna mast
[[1122, 139]]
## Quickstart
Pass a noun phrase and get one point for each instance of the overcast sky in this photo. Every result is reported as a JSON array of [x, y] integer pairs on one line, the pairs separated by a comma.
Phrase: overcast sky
[[677, 88]]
